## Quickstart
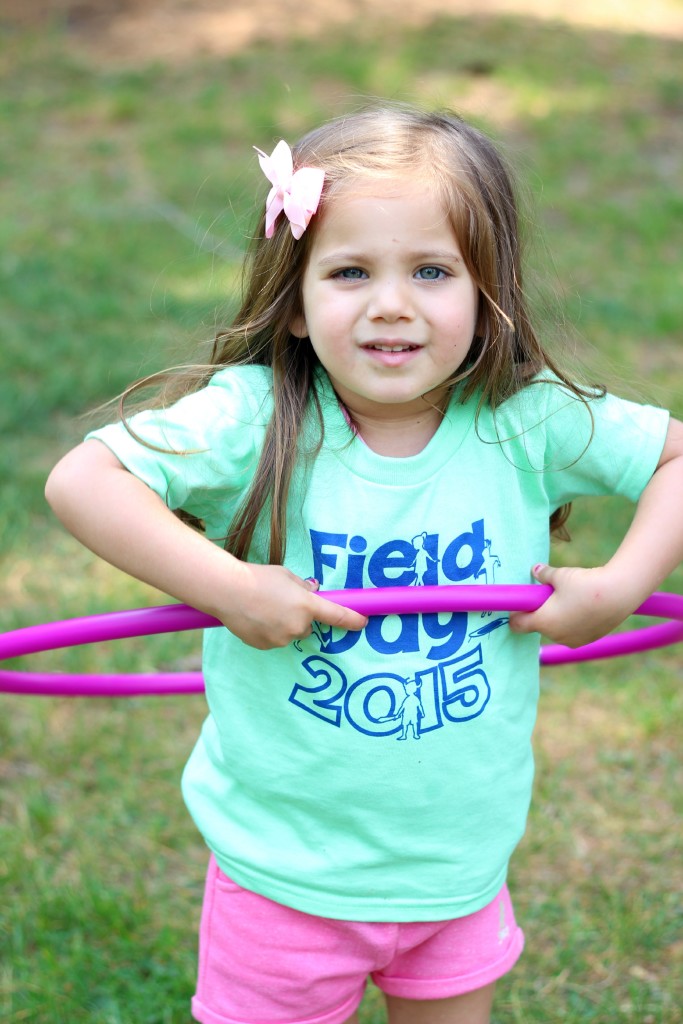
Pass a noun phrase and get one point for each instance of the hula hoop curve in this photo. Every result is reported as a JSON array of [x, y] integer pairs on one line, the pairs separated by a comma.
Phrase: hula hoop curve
[[177, 618]]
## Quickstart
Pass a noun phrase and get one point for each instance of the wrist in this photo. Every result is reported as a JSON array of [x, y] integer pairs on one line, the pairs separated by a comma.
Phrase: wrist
[[229, 588], [626, 586]]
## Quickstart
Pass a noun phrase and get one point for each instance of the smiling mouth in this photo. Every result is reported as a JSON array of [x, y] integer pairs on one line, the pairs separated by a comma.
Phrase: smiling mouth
[[386, 347]]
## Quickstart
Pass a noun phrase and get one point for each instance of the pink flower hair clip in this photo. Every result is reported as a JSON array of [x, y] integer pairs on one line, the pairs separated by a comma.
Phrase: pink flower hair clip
[[297, 194]]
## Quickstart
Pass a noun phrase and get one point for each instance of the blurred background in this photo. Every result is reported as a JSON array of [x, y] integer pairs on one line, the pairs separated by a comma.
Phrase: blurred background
[[128, 190]]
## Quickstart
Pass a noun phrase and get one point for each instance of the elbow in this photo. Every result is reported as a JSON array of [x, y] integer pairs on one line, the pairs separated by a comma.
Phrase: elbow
[[74, 476], [59, 487], [87, 478]]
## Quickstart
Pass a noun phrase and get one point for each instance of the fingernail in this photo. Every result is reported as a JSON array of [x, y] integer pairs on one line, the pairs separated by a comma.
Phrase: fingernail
[[537, 568], [313, 580]]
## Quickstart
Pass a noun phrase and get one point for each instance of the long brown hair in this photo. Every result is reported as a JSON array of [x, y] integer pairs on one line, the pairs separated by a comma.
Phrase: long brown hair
[[470, 178]]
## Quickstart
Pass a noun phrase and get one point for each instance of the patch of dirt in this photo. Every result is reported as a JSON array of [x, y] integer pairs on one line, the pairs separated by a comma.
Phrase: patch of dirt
[[122, 31]]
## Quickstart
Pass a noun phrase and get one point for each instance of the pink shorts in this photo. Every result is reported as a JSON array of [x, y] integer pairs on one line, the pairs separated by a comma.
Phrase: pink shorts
[[263, 962]]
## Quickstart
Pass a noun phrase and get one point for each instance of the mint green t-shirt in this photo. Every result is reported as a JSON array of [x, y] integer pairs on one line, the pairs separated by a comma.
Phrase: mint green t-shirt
[[383, 775]]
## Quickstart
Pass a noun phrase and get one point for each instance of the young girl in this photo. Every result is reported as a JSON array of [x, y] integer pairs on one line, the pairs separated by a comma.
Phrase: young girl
[[381, 413]]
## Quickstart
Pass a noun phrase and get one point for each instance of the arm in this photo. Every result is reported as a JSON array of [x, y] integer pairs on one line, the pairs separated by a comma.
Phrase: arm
[[118, 517], [588, 603]]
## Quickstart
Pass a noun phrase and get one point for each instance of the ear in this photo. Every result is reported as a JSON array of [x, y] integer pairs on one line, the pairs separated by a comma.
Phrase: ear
[[298, 327]]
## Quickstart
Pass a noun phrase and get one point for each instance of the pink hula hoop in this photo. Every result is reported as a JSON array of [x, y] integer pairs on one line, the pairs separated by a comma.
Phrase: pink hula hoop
[[384, 601]]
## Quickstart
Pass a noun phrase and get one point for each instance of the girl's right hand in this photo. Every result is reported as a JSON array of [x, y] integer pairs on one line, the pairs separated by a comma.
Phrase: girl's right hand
[[269, 607]]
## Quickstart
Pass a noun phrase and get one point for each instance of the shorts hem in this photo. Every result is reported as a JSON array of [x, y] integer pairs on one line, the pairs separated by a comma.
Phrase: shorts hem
[[443, 988], [202, 1013]]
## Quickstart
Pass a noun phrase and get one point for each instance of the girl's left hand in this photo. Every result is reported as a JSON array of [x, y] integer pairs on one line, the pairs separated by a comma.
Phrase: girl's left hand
[[586, 604]]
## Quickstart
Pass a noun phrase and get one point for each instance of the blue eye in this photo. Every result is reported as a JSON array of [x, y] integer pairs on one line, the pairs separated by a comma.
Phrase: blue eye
[[351, 274], [430, 273]]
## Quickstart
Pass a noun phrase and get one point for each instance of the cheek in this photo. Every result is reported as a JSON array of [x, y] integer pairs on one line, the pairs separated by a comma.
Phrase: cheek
[[330, 317], [469, 316], [460, 323]]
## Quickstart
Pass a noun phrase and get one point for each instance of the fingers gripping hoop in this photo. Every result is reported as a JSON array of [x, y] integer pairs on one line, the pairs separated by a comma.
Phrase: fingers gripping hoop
[[383, 601]]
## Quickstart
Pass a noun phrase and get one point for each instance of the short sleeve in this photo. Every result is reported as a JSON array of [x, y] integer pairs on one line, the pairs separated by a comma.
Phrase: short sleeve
[[612, 446], [601, 445], [199, 454]]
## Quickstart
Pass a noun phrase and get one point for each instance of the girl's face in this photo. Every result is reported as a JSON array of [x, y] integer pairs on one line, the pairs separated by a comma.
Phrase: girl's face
[[389, 305]]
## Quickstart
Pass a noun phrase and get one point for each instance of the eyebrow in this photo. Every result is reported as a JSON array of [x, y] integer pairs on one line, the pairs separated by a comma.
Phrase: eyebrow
[[418, 256]]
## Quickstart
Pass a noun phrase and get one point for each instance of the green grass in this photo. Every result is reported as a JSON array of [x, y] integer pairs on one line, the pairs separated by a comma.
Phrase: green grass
[[127, 196]]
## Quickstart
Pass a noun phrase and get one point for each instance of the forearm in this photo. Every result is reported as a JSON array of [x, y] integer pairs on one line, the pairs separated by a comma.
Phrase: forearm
[[123, 521], [119, 518], [653, 545], [587, 603]]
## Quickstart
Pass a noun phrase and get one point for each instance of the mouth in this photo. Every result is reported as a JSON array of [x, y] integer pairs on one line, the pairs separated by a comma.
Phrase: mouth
[[390, 346]]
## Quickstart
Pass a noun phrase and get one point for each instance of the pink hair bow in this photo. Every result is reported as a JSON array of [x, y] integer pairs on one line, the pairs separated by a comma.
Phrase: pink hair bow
[[298, 194]]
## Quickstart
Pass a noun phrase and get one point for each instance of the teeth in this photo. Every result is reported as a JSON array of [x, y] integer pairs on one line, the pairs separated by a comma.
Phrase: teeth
[[392, 348]]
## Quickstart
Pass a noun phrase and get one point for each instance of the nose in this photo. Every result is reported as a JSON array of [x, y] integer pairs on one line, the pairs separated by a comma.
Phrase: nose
[[390, 300]]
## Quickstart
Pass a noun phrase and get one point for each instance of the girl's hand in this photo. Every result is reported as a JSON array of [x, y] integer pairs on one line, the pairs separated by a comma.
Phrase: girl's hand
[[586, 604], [270, 607]]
